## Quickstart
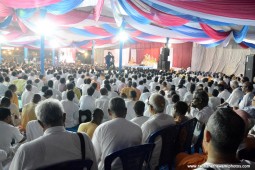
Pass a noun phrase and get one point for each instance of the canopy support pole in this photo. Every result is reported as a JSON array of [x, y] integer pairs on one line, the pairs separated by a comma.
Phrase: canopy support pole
[[42, 55]]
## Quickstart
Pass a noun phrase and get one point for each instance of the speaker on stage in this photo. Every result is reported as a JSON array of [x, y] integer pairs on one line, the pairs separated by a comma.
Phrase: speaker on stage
[[164, 54], [250, 67]]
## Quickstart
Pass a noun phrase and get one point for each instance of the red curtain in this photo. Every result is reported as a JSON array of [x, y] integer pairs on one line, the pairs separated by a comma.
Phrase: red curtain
[[182, 54]]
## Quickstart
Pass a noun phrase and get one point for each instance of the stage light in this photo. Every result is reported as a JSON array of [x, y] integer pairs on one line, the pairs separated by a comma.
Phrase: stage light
[[54, 43], [45, 27], [123, 36]]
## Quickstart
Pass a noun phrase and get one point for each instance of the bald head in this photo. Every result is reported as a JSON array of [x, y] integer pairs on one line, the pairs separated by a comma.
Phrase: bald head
[[158, 102]]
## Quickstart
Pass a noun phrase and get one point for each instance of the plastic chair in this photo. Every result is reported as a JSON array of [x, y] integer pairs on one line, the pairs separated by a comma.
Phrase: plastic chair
[[131, 158], [69, 165], [198, 145], [185, 136], [168, 136], [84, 116]]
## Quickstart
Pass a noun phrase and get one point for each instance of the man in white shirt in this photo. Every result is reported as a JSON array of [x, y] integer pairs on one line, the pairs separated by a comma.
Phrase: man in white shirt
[[56, 93], [56, 145], [111, 94], [80, 81], [3, 87], [139, 109], [85, 86], [87, 102], [71, 109], [157, 121], [200, 110], [247, 99], [33, 130], [7, 131], [223, 93], [223, 134], [27, 95], [102, 103], [70, 86], [214, 101], [236, 95], [130, 105], [115, 134]]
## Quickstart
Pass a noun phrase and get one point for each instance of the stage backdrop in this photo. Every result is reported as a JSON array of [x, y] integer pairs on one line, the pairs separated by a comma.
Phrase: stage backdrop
[[116, 54], [229, 60], [67, 55]]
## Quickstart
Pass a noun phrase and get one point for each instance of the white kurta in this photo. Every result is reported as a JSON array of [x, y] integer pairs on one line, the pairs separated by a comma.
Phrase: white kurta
[[115, 135], [56, 145], [154, 123]]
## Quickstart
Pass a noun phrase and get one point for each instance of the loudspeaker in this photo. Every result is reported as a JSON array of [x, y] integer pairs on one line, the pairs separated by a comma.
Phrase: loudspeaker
[[250, 67], [159, 64], [164, 54], [165, 65]]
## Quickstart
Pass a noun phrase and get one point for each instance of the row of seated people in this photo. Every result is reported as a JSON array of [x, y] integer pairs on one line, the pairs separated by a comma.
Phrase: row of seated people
[[108, 137], [199, 106]]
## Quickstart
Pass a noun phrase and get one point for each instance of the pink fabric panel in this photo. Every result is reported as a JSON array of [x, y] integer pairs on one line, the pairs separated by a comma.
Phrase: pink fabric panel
[[28, 3], [98, 9], [5, 11], [159, 17], [72, 17], [182, 54], [243, 9], [214, 34], [97, 31]]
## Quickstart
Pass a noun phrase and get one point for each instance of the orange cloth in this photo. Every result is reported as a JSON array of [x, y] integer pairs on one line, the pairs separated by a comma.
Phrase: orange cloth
[[15, 99], [183, 160], [28, 113]]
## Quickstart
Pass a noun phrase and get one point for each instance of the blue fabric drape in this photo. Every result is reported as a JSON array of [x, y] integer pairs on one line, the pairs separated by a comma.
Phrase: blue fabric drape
[[6, 22], [82, 32], [132, 13], [81, 43], [249, 44], [193, 32], [212, 44], [240, 35], [63, 7]]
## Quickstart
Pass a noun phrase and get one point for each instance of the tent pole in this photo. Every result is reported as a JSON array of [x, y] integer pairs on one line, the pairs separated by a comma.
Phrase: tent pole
[[42, 55], [120, 56], [53, 57]]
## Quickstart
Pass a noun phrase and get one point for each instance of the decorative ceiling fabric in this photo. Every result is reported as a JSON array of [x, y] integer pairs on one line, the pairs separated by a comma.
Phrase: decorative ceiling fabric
[[78, 23]]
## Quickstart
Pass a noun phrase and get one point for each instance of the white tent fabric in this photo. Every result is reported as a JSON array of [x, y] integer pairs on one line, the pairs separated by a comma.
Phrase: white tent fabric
[[228, 60]]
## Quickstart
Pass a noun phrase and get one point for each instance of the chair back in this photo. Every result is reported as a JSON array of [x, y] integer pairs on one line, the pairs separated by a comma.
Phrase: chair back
[[185, 136], [131, 158], [84, 116], [168, 136], [198, 144], [67, 165]]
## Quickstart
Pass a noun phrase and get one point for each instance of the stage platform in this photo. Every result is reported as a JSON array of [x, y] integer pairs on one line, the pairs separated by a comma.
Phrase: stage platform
[[141, 67]]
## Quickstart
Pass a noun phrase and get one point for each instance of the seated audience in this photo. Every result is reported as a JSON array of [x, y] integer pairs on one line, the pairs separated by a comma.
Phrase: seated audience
[[28, 111], [223, 134], [56, 145], [91, 126], [139, 109], [115, 134], [157, 121], [71, 109]]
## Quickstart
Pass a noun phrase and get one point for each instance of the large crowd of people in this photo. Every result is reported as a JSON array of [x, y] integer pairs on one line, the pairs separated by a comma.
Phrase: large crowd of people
[[39, 114]]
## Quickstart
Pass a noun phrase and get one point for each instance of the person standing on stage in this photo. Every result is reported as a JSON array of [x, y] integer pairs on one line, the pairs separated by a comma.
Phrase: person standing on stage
[[108, 60]]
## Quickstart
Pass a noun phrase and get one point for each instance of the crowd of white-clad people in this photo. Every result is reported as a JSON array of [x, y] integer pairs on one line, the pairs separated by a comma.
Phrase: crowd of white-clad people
[[40, 113]]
